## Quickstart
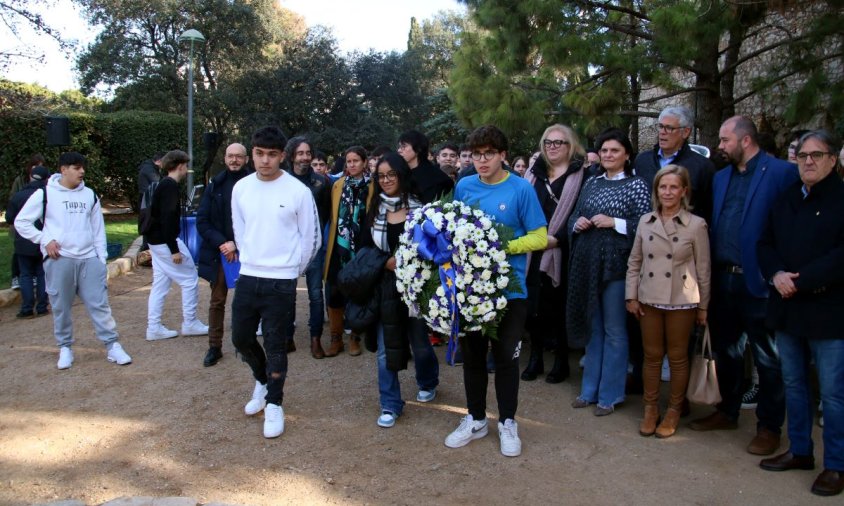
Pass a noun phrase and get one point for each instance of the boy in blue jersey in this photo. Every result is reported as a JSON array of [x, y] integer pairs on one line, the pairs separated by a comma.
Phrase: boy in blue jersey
[[511, 201]]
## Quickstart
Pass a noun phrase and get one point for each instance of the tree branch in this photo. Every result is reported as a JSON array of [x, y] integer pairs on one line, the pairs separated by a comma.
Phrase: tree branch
[[754, 54], [615, 8], [785, 76]]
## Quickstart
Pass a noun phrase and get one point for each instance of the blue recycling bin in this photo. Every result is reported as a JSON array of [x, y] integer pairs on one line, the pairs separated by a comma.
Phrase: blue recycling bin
[[190, 236]]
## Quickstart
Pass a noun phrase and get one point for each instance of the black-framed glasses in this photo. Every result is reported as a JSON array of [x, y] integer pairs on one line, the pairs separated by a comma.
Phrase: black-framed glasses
[[557, 143], [486, 155], [659, 127], [390, 176], [817, 156]]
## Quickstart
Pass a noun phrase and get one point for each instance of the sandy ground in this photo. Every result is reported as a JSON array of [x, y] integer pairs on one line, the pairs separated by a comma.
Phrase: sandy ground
[[167, 426]]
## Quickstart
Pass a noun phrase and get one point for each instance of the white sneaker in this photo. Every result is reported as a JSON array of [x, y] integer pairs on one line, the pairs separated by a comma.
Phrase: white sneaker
[[273, 421], [258, 401], [65, 358], [159, 333], [387, 419], [16, 283], [426, 395], [117, 355], [194, 328], [468, 430], [508, 433]]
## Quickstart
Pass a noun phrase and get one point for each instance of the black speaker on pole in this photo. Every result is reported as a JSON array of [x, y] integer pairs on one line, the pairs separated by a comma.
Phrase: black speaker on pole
[[58, 131], [210, 140]]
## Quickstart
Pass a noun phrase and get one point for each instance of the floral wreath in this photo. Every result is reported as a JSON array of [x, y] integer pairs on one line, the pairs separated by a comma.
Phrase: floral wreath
[[465, 247]]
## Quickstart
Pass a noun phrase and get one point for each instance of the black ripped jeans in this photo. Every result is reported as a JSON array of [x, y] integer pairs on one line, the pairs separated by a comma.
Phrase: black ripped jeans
[[274, 302]]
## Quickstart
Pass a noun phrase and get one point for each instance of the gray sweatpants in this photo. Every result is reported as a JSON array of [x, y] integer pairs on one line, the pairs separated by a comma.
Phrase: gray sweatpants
[[67, 277]]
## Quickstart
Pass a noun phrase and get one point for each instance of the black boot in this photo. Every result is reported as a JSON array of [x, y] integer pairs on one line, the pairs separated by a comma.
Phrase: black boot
[[560, 371], [535, 365]]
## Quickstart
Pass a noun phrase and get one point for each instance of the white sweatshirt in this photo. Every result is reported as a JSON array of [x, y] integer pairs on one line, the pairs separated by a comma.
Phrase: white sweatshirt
[[276, 227], [74, 220]]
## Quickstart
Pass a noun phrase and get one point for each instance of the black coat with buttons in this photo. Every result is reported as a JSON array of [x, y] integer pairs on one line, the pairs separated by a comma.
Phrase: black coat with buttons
[[806, 236]]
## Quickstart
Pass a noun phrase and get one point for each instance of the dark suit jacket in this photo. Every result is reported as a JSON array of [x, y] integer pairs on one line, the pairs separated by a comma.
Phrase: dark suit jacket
[[770, 179], [701, 170], [806, 236]]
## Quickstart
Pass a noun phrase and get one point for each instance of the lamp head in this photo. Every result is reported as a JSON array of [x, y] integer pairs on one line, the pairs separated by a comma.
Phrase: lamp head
[[191, 36]]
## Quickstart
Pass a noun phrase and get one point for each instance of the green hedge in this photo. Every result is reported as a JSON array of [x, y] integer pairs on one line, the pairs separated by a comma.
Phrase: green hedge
[[114, 143]]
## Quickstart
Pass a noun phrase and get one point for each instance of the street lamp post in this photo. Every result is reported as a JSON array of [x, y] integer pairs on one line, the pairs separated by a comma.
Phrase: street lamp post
[[192, 36]]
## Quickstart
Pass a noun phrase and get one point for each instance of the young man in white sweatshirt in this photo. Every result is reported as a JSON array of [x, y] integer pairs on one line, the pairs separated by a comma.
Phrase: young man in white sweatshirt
[[73, 243], [276, 232]]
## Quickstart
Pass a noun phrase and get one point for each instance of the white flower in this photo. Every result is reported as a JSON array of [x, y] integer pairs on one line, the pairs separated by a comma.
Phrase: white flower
[[502, 282], [486, 274], [501, 303]]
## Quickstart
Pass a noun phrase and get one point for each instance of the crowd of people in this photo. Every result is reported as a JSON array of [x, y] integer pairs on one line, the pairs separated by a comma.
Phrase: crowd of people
[[625, 257]]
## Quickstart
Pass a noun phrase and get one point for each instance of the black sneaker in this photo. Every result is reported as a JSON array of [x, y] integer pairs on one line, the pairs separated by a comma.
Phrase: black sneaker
[[750, 398], [25, 316]]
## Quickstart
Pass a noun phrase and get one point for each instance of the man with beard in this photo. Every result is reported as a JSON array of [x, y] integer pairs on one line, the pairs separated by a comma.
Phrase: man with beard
[[214, 224], [744, 193], [299, 152]]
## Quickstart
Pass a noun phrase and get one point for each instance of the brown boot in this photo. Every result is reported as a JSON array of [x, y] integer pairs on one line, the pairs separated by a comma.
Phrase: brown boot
[[354, 345], [669, 423], [335, 347], [648, 425], [316, 348]]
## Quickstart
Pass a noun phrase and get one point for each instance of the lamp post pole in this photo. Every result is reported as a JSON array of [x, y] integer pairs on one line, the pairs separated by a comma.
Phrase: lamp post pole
[[192, 36]]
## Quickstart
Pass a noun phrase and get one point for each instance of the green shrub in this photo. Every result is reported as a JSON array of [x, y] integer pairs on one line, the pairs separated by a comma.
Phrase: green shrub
[[114, 143]]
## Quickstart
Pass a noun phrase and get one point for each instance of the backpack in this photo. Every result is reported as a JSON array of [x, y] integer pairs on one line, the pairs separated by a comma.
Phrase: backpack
[[145, 211]]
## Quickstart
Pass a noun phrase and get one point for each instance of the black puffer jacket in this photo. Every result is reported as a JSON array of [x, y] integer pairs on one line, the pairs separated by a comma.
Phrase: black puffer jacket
[[24, 246]]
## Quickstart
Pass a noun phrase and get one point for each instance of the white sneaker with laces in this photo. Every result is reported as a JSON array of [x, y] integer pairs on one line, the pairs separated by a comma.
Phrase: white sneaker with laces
[[65, 358], [194, 328], [273, 421], [159, 333], [16, 283], [258, 401], [508, 433], [468, 430], [117, 355]]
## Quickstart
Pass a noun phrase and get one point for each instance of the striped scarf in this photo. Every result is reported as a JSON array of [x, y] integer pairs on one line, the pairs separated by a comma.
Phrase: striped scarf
[[389, 205]]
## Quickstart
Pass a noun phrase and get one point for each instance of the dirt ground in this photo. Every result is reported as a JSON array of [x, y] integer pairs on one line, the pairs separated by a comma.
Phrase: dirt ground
[[167, 426]]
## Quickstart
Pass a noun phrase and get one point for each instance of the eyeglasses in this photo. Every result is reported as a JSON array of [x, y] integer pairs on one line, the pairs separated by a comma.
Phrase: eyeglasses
[[556, 143], [236, 157], [817, 156], [486, 155], [390, 176], [402, 146], [666, 128]]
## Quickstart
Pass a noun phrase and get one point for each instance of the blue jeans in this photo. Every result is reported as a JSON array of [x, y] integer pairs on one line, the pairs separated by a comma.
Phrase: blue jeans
[[605, 366], [31, 268], [272, 301], [316, 302], [424, 360], [829, 362], [736, 318]]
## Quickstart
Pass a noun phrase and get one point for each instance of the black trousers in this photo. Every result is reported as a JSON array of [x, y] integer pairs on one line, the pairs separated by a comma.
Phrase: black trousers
[[505, 351], [274, 302]]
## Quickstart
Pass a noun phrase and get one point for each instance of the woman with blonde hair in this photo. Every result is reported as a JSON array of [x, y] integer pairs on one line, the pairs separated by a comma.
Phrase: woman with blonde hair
[[556, 176], [667, 290]]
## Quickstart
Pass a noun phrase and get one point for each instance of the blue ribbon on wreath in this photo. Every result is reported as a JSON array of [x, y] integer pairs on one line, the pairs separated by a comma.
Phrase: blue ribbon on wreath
[[435, 245]]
